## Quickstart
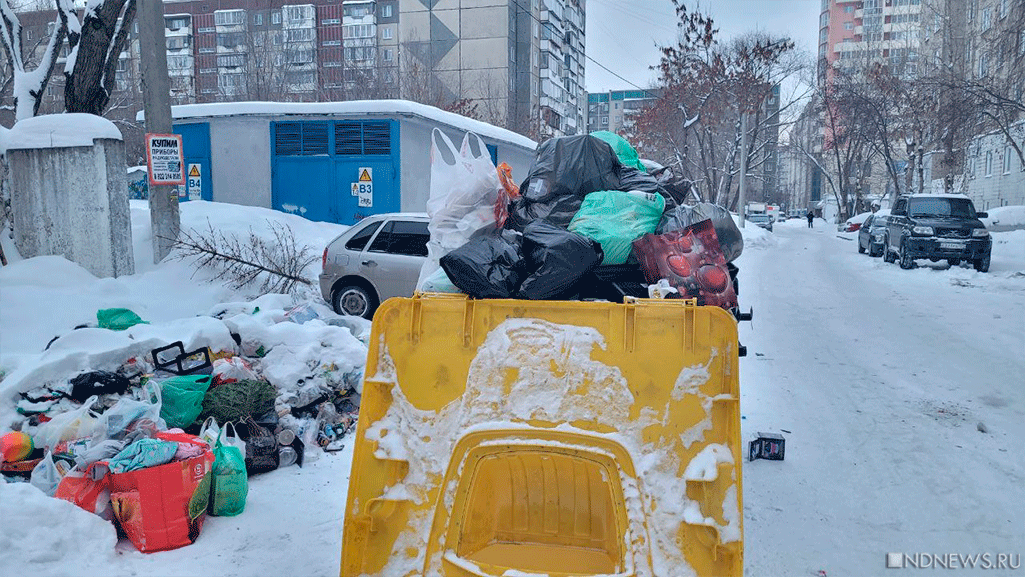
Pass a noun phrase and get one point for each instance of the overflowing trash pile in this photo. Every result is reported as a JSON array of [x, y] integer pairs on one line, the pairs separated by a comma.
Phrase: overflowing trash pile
[[589, 222], [156, 441]]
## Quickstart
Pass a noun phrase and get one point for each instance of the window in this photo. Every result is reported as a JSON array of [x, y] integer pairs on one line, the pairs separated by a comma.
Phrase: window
[[177, 43], [848, 25], [299, 56], [176, 23], [983, 65], [179, 62], [298, 13], [229, 17], [332, 64], [275, 17], [231, 61], [207, 29], [230, 82], [360, 239], [605, 120], [848, 9], [987, 19], [359, 31], [258, 19], [386, 11], [1007, 160], [330, 21], [402, 237], [358, 11], [1002, 9], [332, 43], [388, 55], [386, 33], [231, 39], [299, 35], [207, 50], [989, 164], [277, 39]]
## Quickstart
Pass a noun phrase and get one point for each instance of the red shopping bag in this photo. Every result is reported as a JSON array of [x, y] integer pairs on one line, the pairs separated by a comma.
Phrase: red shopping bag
[[87, 489], [692, 261], [163, 507]]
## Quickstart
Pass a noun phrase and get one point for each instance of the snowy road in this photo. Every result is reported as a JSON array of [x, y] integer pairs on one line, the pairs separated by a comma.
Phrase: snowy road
[[882, 376]]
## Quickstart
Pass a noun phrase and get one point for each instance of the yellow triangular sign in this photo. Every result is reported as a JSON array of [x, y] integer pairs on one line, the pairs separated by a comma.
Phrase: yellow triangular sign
[[364, 176], [194, 171]]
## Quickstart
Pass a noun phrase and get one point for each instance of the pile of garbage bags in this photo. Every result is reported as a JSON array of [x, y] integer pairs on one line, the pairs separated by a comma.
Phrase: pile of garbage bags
[[588, 222], [173, 435]]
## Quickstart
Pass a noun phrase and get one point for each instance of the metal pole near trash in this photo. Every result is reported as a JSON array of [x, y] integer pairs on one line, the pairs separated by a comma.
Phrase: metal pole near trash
[[742, 200], [156, 89]]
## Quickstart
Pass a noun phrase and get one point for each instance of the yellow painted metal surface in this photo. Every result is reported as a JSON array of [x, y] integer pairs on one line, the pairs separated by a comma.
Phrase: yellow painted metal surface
[[550, 438]]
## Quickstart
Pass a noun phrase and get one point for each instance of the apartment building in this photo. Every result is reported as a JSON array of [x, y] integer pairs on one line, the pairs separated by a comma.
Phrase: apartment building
[[614, 110]]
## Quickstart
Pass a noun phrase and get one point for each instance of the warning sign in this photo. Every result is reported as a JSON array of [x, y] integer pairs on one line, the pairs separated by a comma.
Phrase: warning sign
[[195, 183], [364, 188], [165, 160]]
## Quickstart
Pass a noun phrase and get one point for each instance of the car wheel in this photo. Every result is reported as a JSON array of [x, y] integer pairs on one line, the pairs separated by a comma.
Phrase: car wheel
[[954, 261], [354, 300], [888, 255], [982, 265], [861, 249], [906, 262]]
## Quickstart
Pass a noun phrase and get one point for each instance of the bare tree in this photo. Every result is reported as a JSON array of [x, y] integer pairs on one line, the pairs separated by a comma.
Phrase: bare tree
[[94, 44], [29, 86]]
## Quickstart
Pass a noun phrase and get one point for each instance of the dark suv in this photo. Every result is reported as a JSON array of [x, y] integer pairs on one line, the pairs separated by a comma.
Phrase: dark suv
[[936, 227]]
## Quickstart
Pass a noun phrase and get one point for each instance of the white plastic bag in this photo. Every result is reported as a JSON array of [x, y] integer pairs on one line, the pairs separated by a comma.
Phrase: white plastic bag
[[115, 421], [45, 475], [438, 282], [209, 432], [232, 439], [464, 193], [74, 424], [232, 370]]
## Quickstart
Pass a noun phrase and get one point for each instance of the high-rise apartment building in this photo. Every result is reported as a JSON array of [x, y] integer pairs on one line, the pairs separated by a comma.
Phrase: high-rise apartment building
[[518, 62], [614, 110]]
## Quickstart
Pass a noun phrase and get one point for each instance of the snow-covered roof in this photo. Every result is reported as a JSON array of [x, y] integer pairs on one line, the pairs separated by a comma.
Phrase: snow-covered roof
[[936, 195], [353, 107], [60, 131]]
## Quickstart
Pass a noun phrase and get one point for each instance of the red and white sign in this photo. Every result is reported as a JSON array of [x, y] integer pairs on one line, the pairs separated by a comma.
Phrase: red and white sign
[[164, 159]]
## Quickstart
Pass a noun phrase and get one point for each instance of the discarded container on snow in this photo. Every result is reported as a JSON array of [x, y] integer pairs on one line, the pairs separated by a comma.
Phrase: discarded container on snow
[[767, 446], [508, 437]]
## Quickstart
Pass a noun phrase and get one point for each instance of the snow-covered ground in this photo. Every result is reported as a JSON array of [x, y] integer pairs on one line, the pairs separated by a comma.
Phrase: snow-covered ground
[[879, 378]]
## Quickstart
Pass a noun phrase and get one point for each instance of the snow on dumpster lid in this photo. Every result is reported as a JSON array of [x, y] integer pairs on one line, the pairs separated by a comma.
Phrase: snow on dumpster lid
[[367, 107], [60, 131]]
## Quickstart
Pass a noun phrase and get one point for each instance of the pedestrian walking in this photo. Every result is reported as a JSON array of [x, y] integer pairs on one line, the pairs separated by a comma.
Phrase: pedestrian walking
[[811, 218]]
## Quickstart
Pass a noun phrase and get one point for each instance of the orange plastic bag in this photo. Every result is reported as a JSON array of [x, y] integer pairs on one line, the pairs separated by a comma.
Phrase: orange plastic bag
[[510, 192]]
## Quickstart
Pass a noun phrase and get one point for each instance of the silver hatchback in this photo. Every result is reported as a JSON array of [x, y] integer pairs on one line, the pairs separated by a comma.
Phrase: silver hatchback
[[377, 259]]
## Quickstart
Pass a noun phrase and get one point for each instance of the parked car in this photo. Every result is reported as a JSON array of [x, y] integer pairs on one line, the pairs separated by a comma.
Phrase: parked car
[[853, 224], [936, 227], [873, 232], [377, 259], [762, 220]]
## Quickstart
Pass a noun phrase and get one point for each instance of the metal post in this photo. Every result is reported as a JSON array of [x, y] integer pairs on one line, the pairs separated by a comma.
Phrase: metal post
[[156, 88], [742, 200]]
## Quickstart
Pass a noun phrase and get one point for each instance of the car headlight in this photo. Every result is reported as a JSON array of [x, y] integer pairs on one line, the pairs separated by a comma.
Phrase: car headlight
[[923, 230], [980, 232]]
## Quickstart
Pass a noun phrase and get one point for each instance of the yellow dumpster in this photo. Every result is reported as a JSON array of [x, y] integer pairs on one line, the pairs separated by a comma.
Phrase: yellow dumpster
[[516, 438]]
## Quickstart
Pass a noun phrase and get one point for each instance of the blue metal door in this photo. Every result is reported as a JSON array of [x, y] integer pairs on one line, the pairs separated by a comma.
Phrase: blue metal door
[[316, 164], [196, 149]]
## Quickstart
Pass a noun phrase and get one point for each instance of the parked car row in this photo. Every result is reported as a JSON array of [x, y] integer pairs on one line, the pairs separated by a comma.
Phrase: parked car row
[[928, 226]]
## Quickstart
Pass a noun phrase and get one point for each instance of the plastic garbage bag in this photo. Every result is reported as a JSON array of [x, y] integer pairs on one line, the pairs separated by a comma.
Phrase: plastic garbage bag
[[230, 480], [183, 399], [571, 166], [118, 319], [731, 242], [486, 267], [231, 370], [118, 421], [91, 383], [636, 180], [615, 219], [558, 211], [558, 259], [45, 475], [626, 153], [466, 196], [68, 426], [691, 261], [439, 283]]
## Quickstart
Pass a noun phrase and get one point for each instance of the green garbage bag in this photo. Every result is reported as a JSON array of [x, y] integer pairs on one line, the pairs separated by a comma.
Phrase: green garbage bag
[[118, 319], [183, 399], [231, 483], [626, 153], [616, 218]]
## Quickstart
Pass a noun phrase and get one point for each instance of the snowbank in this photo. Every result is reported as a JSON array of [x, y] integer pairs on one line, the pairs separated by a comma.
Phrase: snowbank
[[1005, 216]]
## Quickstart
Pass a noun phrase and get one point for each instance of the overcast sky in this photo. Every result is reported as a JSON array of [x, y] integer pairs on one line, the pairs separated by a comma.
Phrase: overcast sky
[[621, 34]]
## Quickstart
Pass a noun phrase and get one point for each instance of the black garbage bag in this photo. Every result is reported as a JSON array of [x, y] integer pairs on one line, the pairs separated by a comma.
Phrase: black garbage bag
[[571, 166], [558, 258], [730, 240], [489, 266], [97, 383], [558, 211], [632, 179]]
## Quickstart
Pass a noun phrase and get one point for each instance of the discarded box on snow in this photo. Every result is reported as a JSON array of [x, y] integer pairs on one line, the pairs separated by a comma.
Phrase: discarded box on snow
[[767, 446], [500, 437]]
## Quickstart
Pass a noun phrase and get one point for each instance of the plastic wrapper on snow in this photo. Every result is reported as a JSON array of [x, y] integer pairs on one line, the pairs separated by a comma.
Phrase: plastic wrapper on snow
[[43, 536], [730, 239]]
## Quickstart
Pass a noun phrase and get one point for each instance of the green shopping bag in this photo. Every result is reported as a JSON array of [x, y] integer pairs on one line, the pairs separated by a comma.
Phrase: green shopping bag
[[118, 319], [615, 219], [183, 399], [231, 484]]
